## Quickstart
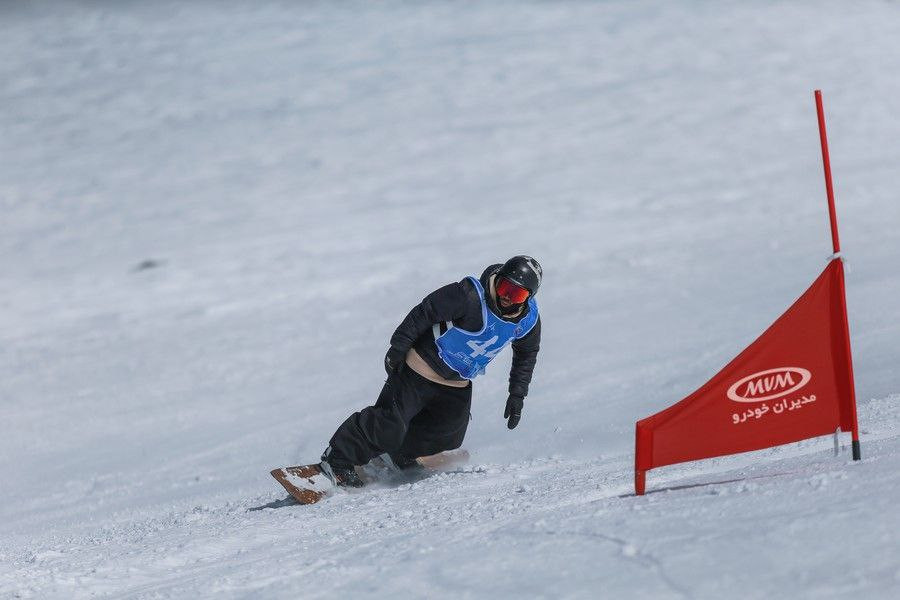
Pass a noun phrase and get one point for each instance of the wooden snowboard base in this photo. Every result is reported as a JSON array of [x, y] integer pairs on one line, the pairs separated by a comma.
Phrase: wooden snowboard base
[[308, 484], [444, 460]]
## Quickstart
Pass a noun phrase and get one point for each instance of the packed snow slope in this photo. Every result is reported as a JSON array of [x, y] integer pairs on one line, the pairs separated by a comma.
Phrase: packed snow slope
[[215, 214]]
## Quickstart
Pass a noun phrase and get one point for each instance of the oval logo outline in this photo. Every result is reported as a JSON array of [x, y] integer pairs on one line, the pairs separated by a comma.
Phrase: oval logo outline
[[805, 377]]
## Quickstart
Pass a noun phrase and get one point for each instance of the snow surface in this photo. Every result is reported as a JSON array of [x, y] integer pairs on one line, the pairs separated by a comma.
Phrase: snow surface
[[214, 215]]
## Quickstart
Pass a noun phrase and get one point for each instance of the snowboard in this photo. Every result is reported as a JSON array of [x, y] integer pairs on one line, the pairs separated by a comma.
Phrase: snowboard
[[308, 484]]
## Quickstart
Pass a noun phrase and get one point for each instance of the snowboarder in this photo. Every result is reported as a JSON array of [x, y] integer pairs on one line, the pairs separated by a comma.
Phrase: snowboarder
[[439, 348]]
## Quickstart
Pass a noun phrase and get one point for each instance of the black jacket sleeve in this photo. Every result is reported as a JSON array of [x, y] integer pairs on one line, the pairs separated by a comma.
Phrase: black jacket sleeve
[[525, 351], [444, 304]]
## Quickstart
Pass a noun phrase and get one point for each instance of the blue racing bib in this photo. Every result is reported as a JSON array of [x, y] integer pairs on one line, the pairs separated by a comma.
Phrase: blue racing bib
[[469, 352]]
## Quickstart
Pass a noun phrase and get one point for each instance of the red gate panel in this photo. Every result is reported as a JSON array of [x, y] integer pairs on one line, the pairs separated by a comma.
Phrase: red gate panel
[[794, 382]]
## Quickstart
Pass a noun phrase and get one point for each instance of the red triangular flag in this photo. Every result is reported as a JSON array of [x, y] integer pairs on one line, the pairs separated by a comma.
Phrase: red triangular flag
[[794, 382]]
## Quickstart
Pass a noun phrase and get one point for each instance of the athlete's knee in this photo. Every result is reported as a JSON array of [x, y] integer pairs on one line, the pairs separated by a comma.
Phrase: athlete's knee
[[456, 440], [384, 427]]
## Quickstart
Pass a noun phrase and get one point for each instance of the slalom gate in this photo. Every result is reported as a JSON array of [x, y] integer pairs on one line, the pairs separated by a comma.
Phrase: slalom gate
[[794, 382]]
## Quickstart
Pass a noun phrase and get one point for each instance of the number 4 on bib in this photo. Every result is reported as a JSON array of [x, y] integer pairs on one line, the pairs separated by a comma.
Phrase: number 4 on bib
[[482, 349]]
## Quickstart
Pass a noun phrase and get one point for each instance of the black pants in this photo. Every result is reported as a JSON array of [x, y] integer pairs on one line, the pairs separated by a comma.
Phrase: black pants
[[412, 416]]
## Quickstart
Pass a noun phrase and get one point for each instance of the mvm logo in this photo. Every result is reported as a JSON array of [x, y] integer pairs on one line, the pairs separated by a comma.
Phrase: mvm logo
[[770, 384]]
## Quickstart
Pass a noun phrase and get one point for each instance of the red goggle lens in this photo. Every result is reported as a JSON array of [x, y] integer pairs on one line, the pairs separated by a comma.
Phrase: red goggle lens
[[510, 291]]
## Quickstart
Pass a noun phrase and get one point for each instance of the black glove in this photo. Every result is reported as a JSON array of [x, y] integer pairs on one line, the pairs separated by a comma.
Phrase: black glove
[[513, 410], [393, 359]]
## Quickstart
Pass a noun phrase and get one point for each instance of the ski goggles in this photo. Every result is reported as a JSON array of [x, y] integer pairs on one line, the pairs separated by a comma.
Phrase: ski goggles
[[511, 292]]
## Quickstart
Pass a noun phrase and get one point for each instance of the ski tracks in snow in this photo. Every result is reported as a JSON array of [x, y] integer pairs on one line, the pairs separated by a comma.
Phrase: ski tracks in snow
[[552, 526], [503, 526]]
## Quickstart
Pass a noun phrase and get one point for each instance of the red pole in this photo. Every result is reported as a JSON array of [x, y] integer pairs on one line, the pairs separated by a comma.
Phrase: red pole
[[836, 244], [643, 450], [854, 422], [826, 163]]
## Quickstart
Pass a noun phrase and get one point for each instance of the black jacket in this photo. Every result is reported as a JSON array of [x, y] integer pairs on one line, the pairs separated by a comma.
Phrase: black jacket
[[460, 304]]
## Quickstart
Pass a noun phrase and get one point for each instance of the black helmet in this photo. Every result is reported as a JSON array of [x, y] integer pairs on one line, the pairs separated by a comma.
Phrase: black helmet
[[524, 271]]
